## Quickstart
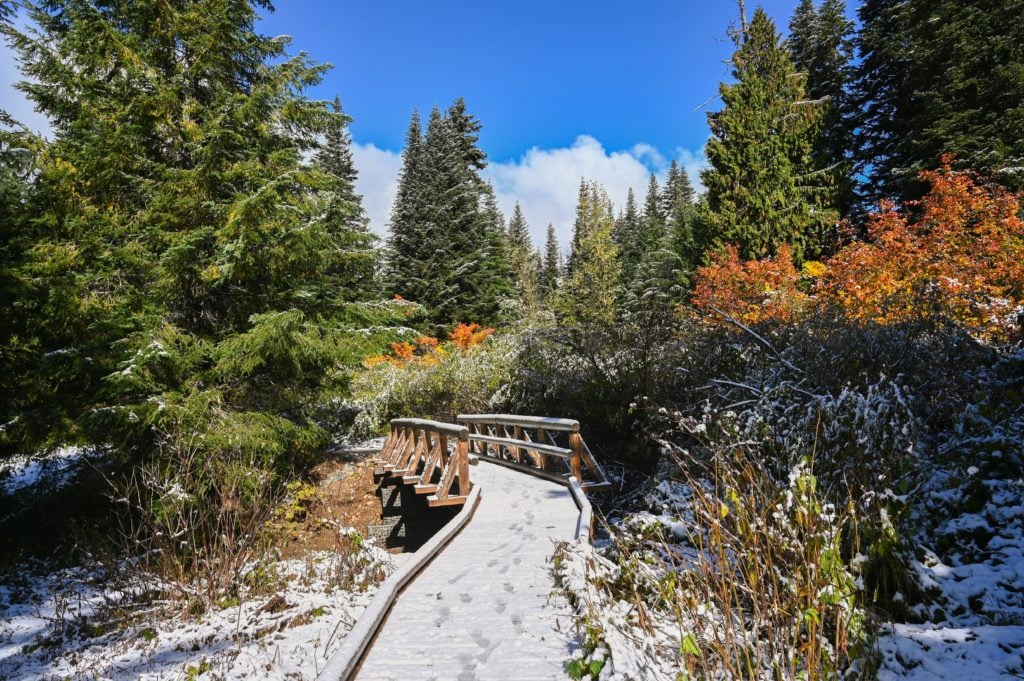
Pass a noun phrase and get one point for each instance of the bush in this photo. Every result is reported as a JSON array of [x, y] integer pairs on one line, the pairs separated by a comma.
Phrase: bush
[[433, 380], [957, 255]]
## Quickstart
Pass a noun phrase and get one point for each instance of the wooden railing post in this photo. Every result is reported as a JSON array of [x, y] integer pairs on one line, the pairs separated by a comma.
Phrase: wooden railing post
[[576, 458], [542, 458], [462, 451]]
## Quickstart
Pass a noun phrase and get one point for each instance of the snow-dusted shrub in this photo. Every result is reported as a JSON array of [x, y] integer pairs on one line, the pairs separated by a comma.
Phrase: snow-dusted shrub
[[194, 516], [448, 381], [596, 374], [733, 573]]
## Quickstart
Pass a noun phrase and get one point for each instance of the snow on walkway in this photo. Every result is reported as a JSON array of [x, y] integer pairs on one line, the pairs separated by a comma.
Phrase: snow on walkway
[[485, 608]]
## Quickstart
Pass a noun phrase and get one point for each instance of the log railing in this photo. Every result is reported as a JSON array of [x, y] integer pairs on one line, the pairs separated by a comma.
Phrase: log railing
[[417, 451], [533, 444]]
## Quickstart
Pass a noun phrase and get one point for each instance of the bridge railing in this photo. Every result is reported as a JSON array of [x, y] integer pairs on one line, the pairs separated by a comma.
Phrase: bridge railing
[[418, 451], [548, 447]]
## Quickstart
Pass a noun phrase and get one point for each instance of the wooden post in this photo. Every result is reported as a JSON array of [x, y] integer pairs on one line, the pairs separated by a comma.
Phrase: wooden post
[[462, 451], [542, 459], [517, 434], [575, 459]]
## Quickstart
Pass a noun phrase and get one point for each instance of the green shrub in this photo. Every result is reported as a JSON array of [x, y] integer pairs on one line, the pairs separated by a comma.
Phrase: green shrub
[[448, 382]]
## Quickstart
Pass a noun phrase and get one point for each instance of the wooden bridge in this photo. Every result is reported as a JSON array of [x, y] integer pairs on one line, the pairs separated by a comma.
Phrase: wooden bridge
[[477, 601]]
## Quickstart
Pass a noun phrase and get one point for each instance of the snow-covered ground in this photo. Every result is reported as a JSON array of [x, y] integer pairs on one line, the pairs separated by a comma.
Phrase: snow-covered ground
[[967, 625], [77, 624], [50, 471], [926, 652]]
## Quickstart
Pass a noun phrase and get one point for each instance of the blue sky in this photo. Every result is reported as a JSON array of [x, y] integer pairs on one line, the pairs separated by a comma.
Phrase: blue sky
[[609, 91], [537, 73]]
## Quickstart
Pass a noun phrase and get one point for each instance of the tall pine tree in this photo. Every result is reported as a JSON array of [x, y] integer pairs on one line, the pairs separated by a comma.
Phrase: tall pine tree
[[552, 266], [447, 249], [627, 236], [764, 185], [354, 278], [589, 295], [180, 235], [526, 264]]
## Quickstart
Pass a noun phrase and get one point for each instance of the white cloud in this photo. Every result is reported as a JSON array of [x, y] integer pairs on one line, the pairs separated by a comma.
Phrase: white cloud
[[377, 182], [545, 182]]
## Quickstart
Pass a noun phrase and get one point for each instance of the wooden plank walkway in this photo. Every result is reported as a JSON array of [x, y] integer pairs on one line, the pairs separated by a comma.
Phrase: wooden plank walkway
[[485, 608]]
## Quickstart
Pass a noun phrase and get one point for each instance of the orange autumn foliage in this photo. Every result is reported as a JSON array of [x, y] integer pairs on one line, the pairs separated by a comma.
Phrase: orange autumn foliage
[[466, 336], [750, 291], [958, 252], [427, 350]]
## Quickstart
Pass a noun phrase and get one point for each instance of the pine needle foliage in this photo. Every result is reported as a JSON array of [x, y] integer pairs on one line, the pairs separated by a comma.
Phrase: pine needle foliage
[[764, 186], [192, 277]]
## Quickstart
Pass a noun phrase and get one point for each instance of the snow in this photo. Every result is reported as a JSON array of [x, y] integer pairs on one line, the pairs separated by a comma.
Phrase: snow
[[79, 623], [55, 469], [926, 652]]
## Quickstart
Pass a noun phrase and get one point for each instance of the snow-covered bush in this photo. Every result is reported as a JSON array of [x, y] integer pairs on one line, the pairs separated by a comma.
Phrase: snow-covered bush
[[440, 382]]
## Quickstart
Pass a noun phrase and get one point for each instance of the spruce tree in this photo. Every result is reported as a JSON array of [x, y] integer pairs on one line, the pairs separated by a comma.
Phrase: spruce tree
[[525, 263], [821, 44], [589, 294], [938, 77], [627, 237], [579, 224], [552, 267], [404, 257], [180, 235], [764, 186], [447, 247], [354, 277]]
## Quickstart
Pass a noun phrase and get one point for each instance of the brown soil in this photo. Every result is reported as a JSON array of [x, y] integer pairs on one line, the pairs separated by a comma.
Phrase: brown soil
[[345, 497]]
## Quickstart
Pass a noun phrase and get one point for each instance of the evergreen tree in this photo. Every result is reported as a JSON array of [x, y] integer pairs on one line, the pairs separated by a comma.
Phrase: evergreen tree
[[627, 237], [447, 247], [936, 77], [353, 279], [589, 294], [525, 263], [180, 238], [552, 267], [678, 206], [466, 126], [403, 256], [494, 214], [578, 225], [764, 187], [821, 45]]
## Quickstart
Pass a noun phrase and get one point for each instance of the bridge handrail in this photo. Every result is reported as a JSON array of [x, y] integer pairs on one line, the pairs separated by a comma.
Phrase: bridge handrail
[[461, 432], [417, 451], [565, 425], [486, 430]]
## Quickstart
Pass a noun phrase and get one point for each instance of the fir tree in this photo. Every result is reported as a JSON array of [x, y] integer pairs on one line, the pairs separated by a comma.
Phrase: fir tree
[[589, 294], [821, 44], [627, 237], [494, 214], [552, 267], [579, 224], [353, 278], [181, 238], [938, 77], [447, 248], [404, 256], [764, 187], [652, 226], [525, 263]]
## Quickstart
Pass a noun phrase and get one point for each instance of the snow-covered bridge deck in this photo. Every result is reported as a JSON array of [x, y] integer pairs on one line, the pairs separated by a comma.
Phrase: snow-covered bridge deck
[[485, 607]]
